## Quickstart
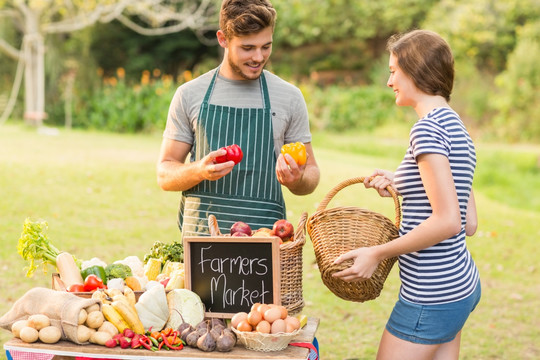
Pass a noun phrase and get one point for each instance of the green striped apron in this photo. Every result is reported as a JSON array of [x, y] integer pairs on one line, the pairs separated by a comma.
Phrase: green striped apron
[[251, 192]]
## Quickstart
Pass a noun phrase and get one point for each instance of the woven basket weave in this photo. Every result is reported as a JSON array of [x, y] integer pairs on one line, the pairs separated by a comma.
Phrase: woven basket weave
[[341, 229]]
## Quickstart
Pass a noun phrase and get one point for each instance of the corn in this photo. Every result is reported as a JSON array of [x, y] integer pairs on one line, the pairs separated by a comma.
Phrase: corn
[[303, 320], [152, 269], [114, 317]]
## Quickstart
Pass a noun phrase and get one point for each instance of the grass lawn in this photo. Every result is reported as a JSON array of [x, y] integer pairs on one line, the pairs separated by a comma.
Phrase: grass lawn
[[99, 195]]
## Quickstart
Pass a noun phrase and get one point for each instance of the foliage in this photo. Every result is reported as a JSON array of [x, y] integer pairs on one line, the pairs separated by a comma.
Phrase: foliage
[[164, 252], [482, 31], [117, 106], [518, 87], [339, 108]]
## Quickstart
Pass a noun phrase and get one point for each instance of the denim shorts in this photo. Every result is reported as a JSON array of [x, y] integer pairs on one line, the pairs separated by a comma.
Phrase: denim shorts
[[431, 324]]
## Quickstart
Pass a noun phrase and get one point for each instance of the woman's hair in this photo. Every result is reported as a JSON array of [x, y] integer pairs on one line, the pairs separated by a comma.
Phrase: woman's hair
[[427, 59], [244, 17]]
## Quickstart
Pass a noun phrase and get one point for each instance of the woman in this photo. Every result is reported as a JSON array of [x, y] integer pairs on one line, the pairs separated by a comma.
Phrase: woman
[[440, 282]]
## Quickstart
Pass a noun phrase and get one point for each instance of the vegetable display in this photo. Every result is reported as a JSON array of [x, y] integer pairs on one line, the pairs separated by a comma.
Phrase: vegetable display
[[234, 153], [297, 151]]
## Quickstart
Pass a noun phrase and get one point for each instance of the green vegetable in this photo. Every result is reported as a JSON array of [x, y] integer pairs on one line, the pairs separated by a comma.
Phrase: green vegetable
[[97, 270], [35, 247], [117, 270], [165, 252]]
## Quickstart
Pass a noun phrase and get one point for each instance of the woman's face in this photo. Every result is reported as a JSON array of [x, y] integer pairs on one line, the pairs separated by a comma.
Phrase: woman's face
[[406, 93]]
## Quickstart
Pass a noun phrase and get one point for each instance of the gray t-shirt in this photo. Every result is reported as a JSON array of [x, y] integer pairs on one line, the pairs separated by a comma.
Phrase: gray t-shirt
[[289, 111]]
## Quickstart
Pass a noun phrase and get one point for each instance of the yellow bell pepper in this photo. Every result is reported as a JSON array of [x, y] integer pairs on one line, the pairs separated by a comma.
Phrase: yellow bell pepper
[[297, 151]]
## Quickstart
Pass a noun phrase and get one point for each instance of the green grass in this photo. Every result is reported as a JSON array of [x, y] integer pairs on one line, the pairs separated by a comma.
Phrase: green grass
[[98, 193]]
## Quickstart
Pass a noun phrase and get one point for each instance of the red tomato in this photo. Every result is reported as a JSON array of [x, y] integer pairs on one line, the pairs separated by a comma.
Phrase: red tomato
[[92, 283], [234, 153], [76, 288]]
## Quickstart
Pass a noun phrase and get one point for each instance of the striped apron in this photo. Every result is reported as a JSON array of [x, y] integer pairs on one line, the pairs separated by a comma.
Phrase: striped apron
[[250, 192]]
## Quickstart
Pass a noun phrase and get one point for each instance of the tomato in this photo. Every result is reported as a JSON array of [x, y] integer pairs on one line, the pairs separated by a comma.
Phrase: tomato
[[234, 153], [76, 288], [297, 151], [92, 283]]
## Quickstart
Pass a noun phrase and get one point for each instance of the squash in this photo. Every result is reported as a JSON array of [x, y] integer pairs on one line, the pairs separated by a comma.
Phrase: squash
[[152, 308], [68, 270]]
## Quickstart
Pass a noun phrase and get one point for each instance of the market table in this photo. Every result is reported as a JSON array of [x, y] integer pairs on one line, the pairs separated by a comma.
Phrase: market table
[[65, 350]]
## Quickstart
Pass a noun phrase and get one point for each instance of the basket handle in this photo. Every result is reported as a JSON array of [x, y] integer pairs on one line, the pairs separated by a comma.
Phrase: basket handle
[[357, 180]]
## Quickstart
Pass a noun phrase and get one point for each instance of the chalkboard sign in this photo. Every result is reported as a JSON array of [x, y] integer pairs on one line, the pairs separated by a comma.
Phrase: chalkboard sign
[[232, 273]]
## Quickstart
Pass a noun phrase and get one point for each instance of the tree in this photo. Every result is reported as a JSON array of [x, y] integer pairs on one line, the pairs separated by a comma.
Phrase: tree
[[35, 19]]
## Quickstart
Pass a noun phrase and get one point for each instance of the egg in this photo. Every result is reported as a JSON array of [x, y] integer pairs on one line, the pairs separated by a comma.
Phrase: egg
[[255, 306], [244, 326], [263, 307], [254, 317], [264, 327], [278, 326], [237, 318], [292, 322], [272, 314], [284, 312]]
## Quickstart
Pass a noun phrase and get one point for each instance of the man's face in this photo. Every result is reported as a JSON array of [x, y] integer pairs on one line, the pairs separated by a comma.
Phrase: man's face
[[247, 55]]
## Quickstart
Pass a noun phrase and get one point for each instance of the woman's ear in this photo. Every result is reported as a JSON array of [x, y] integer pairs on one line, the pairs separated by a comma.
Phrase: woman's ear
[[221, 39]]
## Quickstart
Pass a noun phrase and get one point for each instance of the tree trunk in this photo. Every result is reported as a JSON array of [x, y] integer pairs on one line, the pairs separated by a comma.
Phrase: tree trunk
[[34, 73]]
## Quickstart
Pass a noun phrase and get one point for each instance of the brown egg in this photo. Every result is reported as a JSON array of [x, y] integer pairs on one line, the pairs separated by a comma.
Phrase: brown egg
[[272, 314], [278, 326], [263, 307], [292, 322], [284, 311], [237, 318], [254, 317], [244, 326], [255, 306], [264, 327]]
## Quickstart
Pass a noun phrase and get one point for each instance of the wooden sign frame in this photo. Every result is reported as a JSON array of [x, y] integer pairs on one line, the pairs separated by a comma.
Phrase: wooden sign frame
[[242, 262]]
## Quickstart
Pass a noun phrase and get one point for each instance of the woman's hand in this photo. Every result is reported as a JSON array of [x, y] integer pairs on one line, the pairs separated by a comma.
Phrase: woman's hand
[[365, 262], [380, 180]]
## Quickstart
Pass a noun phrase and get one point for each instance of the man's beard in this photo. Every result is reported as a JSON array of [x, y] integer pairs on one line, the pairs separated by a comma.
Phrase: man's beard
[[236, 69]]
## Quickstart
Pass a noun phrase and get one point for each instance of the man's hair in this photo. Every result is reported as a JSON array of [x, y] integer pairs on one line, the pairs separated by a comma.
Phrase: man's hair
[[244, 17], [427, 59]]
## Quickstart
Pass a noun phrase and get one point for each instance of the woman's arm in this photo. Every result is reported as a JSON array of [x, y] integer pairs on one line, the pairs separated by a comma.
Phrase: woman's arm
[[444, 222]]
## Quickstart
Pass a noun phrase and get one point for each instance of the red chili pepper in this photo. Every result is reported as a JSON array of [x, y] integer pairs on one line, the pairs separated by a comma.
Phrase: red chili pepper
[[146, 342], [234, 153]]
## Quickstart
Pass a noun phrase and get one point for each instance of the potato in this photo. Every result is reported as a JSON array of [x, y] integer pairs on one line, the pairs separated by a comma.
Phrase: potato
[[83, 333], [92, 308], [50, 334], [108, 327], [100, 337], [17, 326], [95, 319], [38, 321], [29, 334], [83, 314]]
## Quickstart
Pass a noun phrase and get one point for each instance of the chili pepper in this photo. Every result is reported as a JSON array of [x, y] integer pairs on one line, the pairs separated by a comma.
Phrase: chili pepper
[[145, 341], [234, 153], [154, 341], [297, 151]]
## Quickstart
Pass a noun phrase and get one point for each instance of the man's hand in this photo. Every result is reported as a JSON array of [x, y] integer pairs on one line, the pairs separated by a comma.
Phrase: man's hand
[[289, 174]]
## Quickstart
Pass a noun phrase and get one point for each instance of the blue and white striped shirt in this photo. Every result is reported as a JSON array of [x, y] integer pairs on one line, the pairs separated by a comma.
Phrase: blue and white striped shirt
[[446, 271]]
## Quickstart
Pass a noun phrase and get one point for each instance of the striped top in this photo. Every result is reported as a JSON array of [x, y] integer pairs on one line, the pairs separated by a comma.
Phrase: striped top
[[446, 271]]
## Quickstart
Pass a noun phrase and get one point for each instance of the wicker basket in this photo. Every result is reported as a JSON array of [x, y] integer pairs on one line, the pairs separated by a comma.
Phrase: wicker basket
[[290, 262], [341, 229], [257, 341]]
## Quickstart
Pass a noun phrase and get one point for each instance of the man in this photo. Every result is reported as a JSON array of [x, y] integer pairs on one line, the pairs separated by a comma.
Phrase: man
[[236, 103]]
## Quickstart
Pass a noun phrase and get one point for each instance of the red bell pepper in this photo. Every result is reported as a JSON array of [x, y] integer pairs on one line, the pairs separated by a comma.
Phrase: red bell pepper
[[234, 153]]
